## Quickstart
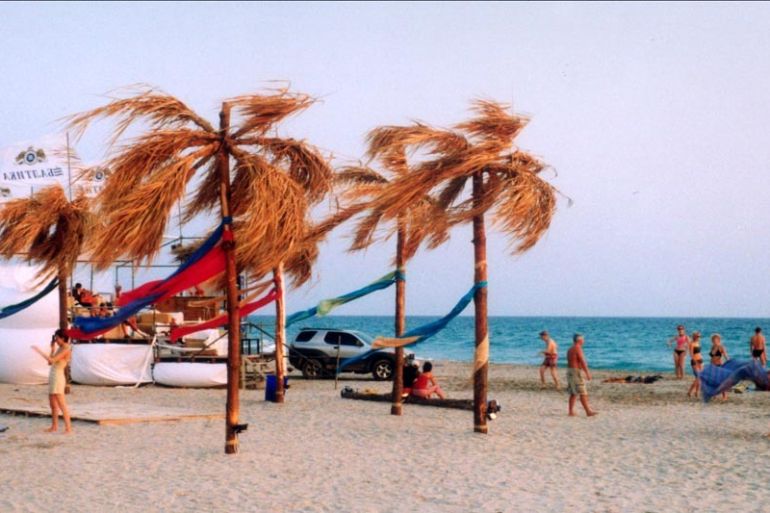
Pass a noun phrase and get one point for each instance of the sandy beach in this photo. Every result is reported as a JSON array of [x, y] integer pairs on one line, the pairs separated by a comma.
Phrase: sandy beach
[[649, 450]]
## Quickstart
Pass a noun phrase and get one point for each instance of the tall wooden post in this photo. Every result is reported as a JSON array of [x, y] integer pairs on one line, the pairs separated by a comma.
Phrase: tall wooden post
[[398, 375], [231, 275], [280, 331], [481, 358], [63, 324]]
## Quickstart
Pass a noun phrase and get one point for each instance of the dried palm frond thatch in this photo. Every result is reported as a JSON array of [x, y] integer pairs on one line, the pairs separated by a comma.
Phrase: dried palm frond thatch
[[47, 227], [274, 180]]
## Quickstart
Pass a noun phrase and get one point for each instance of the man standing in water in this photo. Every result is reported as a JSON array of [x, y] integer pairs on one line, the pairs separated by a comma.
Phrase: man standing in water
[[576, 361], [757, 346], [551, 356]]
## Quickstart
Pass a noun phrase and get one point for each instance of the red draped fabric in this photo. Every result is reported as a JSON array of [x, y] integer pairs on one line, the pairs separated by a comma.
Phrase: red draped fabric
[[205, 269], [221, 320]]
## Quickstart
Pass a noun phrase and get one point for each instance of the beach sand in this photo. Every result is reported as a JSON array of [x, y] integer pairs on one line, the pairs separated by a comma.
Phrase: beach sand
[[650, 450]]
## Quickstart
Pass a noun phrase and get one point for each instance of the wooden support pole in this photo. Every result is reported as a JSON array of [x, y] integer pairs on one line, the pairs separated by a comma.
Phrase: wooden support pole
[[480, 364], [398, 373], [232, 411], [280, 332], [63, 323]]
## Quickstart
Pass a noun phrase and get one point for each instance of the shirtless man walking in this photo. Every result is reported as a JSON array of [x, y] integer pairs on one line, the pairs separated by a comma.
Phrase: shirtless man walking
[[551, 357], [576, 361], [757, 346]]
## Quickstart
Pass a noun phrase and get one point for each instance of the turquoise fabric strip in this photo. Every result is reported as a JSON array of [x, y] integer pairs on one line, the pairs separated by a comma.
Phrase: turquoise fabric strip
[[18, 307], [327, 305], [427, 330]]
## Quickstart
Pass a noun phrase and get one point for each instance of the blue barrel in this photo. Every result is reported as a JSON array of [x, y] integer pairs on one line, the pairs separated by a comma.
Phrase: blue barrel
[[270, 386]]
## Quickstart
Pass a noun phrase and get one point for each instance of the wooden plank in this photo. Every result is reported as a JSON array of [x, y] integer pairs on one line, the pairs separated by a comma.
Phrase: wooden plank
[[457, 404], [113, 414]]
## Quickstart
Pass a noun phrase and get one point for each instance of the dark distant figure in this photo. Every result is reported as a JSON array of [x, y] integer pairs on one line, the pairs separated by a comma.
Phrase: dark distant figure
[[757, 347], [83, 296], [411, 371]]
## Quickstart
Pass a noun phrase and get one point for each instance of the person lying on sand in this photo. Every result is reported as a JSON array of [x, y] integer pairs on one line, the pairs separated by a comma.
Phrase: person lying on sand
[[576, 362]]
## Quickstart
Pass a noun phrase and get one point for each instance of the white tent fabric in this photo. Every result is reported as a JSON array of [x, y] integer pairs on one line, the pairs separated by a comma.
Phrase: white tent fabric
[[188, 374], [19, 364], [111, 364], [210, 338], [17, 283]]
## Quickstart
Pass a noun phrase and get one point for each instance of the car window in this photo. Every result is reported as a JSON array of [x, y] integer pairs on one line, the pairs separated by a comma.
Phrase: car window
[[345, 339], [304, 336]]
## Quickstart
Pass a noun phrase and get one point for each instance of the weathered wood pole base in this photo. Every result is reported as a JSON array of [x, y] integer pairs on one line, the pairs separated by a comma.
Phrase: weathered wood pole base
[[280, 332], [63, 324], [481, 359], [398, 383]]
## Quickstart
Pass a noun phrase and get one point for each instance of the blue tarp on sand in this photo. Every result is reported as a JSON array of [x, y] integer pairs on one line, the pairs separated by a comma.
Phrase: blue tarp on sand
[[716, 379]]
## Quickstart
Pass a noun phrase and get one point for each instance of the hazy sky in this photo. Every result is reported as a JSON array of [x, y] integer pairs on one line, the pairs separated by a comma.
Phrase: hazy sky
[[655, 117]]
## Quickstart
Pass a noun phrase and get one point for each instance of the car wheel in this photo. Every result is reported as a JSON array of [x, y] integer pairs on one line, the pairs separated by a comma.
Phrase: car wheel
[[382, 370], [312, 369]]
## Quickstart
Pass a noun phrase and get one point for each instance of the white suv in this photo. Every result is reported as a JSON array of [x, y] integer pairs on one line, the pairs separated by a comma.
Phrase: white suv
[[320, 352]]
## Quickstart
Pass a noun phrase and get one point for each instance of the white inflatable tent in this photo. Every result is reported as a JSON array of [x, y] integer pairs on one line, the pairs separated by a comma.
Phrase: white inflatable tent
[[35, 325]]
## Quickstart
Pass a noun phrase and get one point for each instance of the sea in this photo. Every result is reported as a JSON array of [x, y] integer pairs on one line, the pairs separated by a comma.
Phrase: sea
[[616, 343]]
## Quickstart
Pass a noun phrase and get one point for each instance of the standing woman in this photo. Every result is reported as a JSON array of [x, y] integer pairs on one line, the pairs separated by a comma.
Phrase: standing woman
[[682, 343], [58, 360], [696, 362], [718, 355]]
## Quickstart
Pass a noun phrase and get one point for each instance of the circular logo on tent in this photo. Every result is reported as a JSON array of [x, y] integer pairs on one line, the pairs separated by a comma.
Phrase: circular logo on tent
[[30, 156]]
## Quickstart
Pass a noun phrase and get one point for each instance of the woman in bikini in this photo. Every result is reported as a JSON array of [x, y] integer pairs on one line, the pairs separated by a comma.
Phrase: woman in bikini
[[58, 359], [696, 362], [718, 355], [426, 385], [682, 343]]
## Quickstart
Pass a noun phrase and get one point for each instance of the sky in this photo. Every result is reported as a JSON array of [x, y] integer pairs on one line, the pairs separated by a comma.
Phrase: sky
[[652, 117]]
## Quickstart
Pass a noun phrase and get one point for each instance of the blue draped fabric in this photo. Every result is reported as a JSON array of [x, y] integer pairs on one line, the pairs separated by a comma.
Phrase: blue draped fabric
[[716, 379], [9, 310], [327, 305], [428, 330], [91, 324]]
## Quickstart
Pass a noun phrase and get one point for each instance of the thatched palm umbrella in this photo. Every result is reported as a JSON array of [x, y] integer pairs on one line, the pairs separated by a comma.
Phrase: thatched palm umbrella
[[504, 180], [264, 200], [421, 221], [51, 230]]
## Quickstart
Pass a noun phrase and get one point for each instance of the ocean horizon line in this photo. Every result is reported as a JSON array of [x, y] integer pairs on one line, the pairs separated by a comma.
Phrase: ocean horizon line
[[518, 316]]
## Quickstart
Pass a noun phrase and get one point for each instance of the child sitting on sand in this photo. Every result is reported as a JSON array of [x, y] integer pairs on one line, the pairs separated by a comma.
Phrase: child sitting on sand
[[576, 362]]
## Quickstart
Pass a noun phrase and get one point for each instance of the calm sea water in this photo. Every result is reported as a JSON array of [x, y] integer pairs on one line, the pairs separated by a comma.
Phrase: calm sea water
[[610, 342]]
